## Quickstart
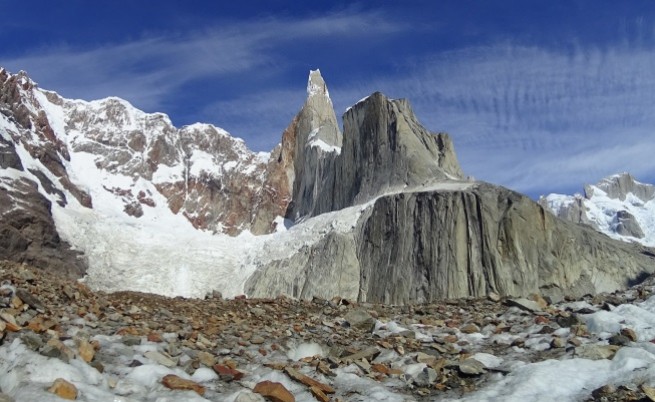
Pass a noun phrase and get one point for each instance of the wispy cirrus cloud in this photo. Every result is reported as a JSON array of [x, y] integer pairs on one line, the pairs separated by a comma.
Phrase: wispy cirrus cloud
[[531, 117], [144, 71], [262, 117], [535, 119]]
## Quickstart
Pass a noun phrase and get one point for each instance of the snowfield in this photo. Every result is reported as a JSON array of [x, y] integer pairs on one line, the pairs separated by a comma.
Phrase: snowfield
[[602, 209]]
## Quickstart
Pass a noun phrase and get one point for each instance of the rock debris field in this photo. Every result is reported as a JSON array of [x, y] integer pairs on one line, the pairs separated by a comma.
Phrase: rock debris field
[[62, 341]]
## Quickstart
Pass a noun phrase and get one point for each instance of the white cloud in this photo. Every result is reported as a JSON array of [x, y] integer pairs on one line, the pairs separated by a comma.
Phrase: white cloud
[[533, 119], [144, 71]]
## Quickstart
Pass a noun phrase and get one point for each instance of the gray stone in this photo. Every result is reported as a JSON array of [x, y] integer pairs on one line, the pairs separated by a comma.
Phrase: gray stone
[[51, 351], [423, 246], [494, 297], [160, 358], [368, 354], [596, 352], [257, 340], [568, 320], [604, 391], [32, 340], [30, 300], [384, 148], [619, 340], [6, 398], [258, 312], [364, 365], [426, 377], [471, 366], [360, 319], [326, 269], [627, 225], [525, 304], [469, 328], [131, 340]]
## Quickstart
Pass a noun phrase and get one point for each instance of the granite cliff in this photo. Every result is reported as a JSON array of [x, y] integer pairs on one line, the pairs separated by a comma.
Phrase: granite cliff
[[426, 233], [382, 211]]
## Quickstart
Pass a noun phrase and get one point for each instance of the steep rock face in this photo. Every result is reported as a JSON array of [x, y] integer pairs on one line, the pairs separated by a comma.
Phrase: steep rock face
[[27, 125], [627, 225], [619, 206], [316, 144], [430, 245], [28, 233], [325, 269], [206, 175], [27, 230], [457, 240], [427, 234], [619, 186], [384, 148]]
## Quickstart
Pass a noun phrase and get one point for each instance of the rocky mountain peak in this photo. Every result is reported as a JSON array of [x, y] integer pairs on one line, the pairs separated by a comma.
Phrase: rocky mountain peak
[[383, 212], [618, 187], [618, 205], [384, 147], [316, 85], [317, 121]]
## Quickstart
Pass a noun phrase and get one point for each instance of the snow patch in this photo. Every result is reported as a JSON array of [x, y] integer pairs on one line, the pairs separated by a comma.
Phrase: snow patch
[[305, 350], [324, 146]]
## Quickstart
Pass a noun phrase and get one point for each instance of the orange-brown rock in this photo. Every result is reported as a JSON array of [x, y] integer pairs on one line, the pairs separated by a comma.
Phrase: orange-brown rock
[[308, 381], [384, 369], [174, 382], [12, 327], [227, 373], [86, 351], [318, 394], [274, 391], [63, 389]]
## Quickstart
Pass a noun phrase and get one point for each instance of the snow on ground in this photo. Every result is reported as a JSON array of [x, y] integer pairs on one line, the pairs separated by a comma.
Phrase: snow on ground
[[26, 375], [573, 379]]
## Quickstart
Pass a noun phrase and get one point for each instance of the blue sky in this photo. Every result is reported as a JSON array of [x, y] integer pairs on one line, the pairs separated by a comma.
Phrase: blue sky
[[539, 96]]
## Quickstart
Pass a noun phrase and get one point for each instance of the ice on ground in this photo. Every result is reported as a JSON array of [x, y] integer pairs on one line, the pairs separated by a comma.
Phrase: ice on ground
[[640, 317], [489, 361], [305, 350], [574, 379]]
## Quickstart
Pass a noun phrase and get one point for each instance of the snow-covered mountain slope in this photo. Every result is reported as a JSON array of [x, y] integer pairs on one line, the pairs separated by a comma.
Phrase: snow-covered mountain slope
[[618, 205], [150, 207], [138, 197], [384, 214], [108, 146]]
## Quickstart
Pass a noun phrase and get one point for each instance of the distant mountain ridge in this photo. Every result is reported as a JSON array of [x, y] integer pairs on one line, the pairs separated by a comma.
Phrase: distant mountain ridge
[[377, 212], [619, 206]]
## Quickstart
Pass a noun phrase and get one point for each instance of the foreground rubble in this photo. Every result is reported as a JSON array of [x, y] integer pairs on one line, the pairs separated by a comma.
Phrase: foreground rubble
[[61, 338]]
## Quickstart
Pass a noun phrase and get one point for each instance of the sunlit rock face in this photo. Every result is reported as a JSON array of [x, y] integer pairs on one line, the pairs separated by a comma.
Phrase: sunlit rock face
[[380, 212]]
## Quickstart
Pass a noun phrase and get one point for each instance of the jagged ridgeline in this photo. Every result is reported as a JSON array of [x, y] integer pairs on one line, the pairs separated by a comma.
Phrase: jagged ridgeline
[[381, 210], [426, 232]]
